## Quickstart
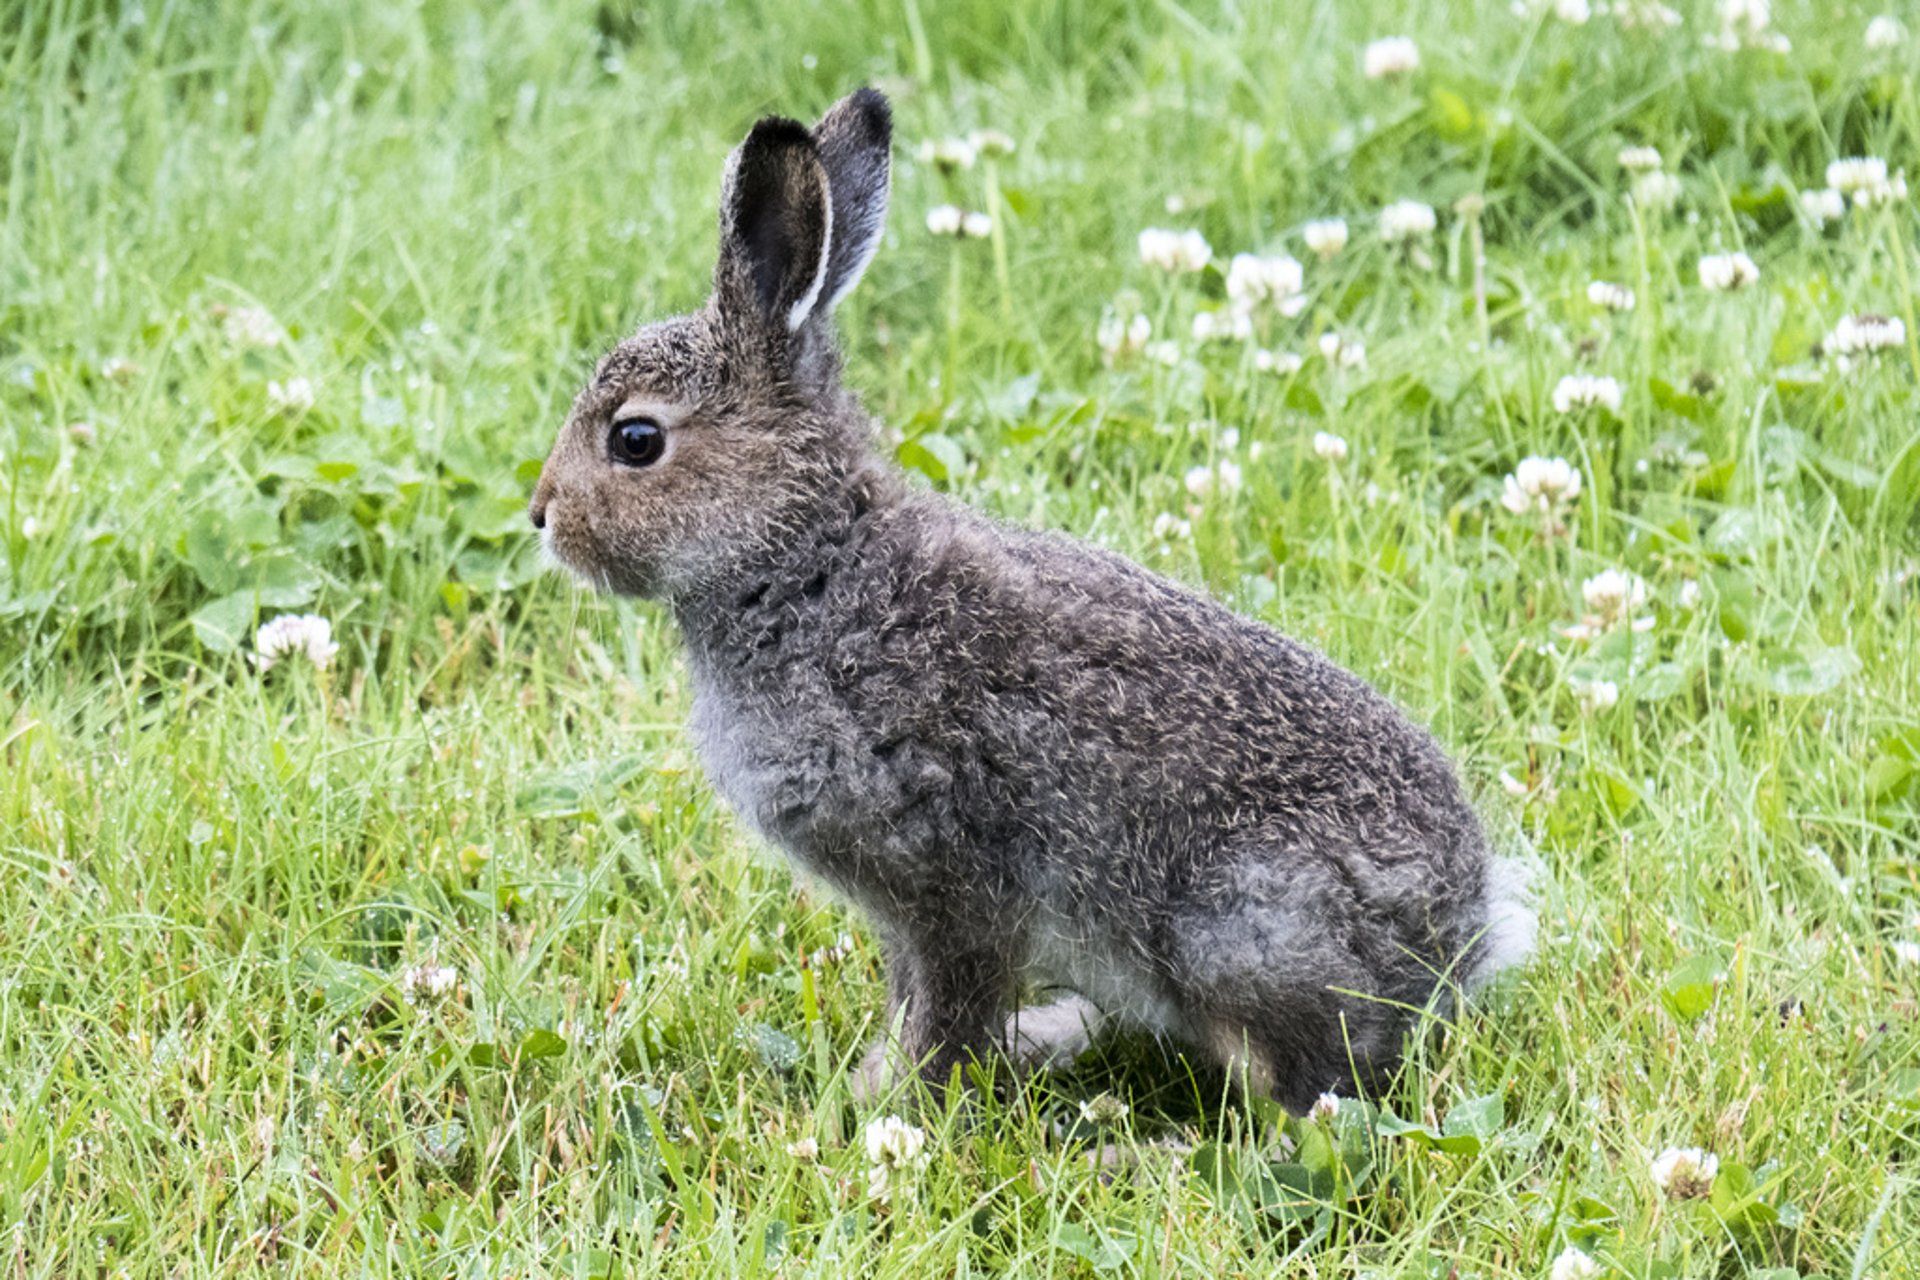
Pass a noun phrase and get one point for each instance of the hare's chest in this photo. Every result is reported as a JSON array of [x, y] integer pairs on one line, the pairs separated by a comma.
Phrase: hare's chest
[[758, 763], [859, 807]]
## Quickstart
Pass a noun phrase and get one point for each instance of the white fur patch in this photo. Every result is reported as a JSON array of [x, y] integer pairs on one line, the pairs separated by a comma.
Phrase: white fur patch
[[1511, 919], [798, 313], [1049, 1037], [858, 267]]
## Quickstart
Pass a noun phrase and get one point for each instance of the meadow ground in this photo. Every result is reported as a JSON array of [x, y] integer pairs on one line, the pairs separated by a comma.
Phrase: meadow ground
[[444, 960]]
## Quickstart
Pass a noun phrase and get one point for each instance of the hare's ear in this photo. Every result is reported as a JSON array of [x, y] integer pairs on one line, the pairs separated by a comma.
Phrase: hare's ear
[[855, 142], [776, 226]]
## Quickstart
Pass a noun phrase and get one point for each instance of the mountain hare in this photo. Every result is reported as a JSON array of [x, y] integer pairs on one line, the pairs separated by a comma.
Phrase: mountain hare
[[1031, 763]]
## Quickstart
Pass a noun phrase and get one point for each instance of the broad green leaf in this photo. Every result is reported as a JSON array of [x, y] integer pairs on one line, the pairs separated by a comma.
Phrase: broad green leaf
[[935, 456], [542, 1043], [1105, 1249], [1807, 672], [1689, 990]]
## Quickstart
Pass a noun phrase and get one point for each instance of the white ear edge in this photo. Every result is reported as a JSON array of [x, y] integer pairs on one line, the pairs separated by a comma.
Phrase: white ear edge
[[858, 267], [797, 314]]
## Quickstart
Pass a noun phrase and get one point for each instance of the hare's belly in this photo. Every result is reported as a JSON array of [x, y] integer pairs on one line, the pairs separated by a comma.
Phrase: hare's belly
[[1080, 955]]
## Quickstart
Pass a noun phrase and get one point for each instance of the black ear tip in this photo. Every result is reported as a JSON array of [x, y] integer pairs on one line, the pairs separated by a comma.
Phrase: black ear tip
[[776, 133], [872, 104], [864, 114]]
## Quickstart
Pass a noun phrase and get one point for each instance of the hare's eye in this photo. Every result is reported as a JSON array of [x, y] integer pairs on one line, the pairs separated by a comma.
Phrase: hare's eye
[[637, 442]]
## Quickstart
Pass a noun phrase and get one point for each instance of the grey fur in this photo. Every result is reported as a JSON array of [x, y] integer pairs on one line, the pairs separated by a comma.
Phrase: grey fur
[[1026, 759]]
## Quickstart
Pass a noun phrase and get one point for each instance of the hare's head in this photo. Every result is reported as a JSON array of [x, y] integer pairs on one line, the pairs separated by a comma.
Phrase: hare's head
[[707, 436]]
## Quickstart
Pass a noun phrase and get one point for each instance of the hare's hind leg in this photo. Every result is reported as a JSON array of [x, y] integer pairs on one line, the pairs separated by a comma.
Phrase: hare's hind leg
[[1277, 986]]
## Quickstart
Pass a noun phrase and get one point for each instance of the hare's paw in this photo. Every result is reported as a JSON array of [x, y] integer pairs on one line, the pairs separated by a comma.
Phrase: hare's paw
[[1049, 1037], [879, 1071]]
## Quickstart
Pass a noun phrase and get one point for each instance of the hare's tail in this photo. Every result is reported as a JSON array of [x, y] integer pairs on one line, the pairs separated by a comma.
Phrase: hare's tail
[[1509, 920]]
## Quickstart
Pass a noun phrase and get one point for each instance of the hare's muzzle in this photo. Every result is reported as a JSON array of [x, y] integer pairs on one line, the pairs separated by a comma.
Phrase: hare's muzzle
[[537, 508]]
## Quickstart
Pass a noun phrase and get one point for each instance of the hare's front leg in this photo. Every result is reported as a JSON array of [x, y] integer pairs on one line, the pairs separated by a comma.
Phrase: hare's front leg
[[946, 1003]]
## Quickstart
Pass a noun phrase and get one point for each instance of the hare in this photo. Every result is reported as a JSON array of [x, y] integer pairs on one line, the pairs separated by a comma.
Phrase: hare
[[1032, 763]]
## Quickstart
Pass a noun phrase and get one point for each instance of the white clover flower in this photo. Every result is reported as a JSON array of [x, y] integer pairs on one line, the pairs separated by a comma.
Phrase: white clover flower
[[1514, 786], [951, 220], [1544, 486], [1175, 251], [1574, 1265], [1612, 597], [1343, 353], [1586, 391], [1329, 447], [1610, 296], [429, 981], [946, 219], [990, 143], [1123, 337], [1253, 280], [1103, 1110], [1405, 221], [306, 634], [1655, 192], [1885, 32], [1573, 12], [1864, 335], [1283, 363], [1325, 1107], [1645, 15], [290, 399], [1867, 181], [120, 370], [806, 1150], [1851, 174], [1906, 952], [1892, 191], [895, 1151], [1823, 206], [1727, 272], [1613, 594], [1748, 24], [1325, 237], [1685, 1173], [946, 154], [1167, 526], [1166, 352], [1640, 159], [1689, 596], [1595, 696], [1390, 56], [1222, 477], [249, 327], [1229, 325]]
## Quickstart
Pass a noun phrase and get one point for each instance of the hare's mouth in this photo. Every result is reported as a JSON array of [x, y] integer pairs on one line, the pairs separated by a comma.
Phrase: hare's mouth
[[581, 557], [559, 553]]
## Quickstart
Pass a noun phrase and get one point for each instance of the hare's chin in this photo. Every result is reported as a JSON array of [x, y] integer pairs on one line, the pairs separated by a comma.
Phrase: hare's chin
[[585, 574]]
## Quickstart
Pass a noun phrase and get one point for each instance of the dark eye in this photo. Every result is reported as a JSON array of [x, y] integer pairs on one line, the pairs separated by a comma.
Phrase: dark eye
[[637, 442]]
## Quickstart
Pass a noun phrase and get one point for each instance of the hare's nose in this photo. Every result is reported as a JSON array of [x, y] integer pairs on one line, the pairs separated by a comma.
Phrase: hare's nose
[[537, 509]]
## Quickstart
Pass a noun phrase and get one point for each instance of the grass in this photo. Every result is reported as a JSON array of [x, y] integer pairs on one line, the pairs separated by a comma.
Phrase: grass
[[214, 882]]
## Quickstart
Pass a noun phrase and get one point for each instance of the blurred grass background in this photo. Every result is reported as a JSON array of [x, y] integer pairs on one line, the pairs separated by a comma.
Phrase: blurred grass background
[[215, 881]]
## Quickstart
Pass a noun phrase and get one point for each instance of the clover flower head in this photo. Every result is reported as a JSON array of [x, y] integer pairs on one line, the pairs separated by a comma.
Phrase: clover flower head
[[307, 635], [1727, 272], [1685, 1173], [1175, 251], [1390, 56]]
